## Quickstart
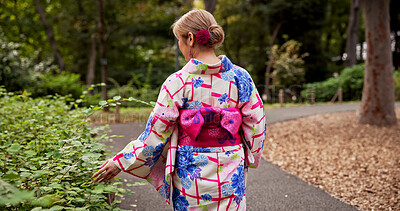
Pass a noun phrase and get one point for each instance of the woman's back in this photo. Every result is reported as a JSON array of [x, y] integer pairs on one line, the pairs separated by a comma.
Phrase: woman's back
[[206, 129]]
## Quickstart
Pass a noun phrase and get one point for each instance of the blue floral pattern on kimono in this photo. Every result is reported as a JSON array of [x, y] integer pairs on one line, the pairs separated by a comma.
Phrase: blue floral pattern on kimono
[[180, 203], [244, 83], [146, 132]]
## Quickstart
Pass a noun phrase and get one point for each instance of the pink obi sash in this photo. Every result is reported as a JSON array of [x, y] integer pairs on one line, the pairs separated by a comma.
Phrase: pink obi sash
[[210, 127]]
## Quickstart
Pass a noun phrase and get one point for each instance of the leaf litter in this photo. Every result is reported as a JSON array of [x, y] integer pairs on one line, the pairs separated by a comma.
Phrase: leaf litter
[[358, 164]]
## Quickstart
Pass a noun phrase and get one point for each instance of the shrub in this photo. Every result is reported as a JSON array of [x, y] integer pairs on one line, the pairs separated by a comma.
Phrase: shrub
[[351, 80], [324, 91], [396, 77], [64, 83], [48, 153], [287, 63], [22, 73], [14, 69]]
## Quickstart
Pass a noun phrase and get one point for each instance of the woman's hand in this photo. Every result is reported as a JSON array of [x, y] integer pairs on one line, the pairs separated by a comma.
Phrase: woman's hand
[[110, 171]]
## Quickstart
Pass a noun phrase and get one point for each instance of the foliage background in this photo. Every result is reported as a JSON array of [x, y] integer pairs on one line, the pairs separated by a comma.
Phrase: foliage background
[[138, 37]]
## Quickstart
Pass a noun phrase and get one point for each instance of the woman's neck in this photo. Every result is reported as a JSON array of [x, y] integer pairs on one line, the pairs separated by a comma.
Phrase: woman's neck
[[207, 56]]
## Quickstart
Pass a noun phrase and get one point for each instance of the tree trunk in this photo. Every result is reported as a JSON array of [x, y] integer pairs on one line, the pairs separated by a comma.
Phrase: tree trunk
[[377, 105], [103, 58], [266, 95], [50, 35], [92, 62], [210, 5], [352, 33]]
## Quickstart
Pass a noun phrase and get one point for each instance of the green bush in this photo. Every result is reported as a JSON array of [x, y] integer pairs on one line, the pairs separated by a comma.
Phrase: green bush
[[64, 83], [49, 154], [324, 91], [20, 73], [396, 77], [351, 80], [14, 69]]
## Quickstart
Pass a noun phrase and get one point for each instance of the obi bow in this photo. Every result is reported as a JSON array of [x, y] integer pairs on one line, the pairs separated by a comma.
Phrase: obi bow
[[192, 120]]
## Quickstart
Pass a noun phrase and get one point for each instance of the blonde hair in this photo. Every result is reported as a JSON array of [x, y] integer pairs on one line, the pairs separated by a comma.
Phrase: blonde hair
[[196, 20]]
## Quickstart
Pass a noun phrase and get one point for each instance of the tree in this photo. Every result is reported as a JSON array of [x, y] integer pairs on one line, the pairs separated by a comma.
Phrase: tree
[[266, 95], [92, 60], [103, 58], [377, 104], [50, 35], [287, 63], [352, 33], [210, 5]]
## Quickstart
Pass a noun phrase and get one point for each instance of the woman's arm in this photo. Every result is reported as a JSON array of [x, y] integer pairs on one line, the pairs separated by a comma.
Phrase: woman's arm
[[140, 155], [253, 116]]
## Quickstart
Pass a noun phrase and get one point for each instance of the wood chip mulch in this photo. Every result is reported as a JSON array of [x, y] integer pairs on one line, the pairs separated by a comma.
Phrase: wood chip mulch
[[359, 164]]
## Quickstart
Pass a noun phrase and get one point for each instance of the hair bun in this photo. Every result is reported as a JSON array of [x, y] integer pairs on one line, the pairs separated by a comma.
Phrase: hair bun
[[199, 20], [217, 34]]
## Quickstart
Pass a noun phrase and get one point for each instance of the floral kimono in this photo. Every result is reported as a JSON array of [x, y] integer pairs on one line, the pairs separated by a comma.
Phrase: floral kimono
[[207, 128]]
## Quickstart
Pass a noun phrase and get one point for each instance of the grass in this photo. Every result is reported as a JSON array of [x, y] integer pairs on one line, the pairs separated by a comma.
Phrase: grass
[[287, 105], [129, 114]]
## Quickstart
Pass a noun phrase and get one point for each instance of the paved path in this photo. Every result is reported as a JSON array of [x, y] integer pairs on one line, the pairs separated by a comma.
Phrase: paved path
[[268, 187]]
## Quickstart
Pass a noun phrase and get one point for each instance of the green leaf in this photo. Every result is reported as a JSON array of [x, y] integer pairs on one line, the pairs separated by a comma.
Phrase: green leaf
[[56, 185], [110, 188], [117, 97], [39, 173], [64, 133], [79, 199], [46, 201], [25, 174], [103, 102], [71, 192], [98, 189], [10, 176], [57, 155], [14, 148], [57, 207], [96, 108], [30, 153], [46, 188]]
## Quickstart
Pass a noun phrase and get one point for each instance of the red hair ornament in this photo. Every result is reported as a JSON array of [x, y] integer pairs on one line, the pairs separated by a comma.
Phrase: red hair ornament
[[203, 36]]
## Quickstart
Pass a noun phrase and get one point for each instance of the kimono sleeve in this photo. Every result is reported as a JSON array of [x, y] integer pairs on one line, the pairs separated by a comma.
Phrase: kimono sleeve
[[140, 155], [253, 117]]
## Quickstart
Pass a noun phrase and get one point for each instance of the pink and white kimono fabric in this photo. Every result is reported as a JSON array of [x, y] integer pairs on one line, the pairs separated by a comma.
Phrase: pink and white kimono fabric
[[207, 128]]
